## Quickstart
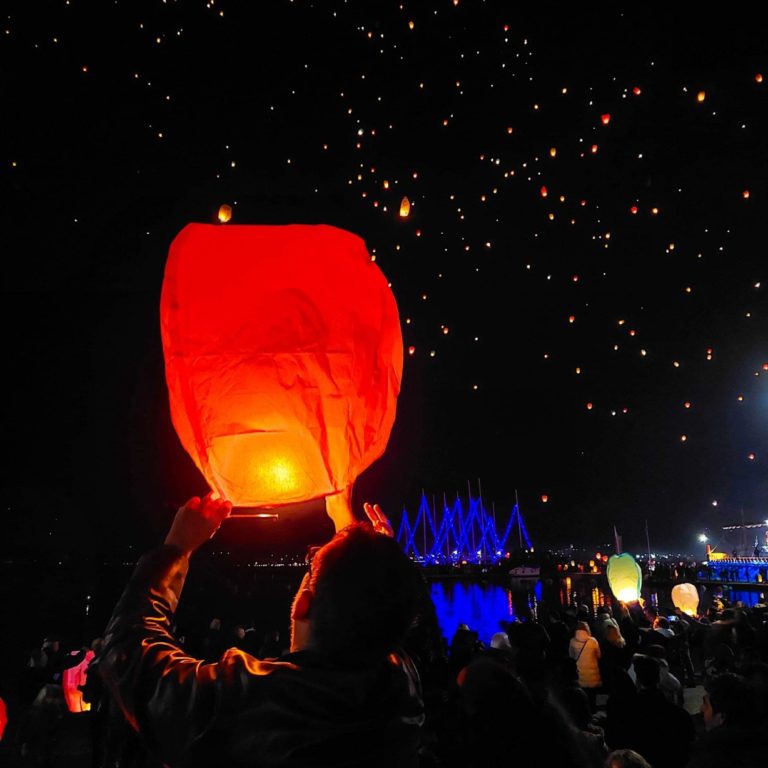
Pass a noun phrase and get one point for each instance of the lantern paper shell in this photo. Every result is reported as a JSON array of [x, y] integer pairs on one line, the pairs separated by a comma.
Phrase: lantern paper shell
[[71, 679], [283, 358], [686, 598], [624, 577]]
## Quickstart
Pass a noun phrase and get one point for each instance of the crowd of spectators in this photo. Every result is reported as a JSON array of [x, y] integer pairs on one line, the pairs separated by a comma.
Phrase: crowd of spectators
[[565, 687]]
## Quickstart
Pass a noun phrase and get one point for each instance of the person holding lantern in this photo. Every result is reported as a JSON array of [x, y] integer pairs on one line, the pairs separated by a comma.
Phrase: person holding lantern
[[343, 696]]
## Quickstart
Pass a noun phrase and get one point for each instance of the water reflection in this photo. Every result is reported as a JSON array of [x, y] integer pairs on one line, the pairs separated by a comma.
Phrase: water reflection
[[484, 606]]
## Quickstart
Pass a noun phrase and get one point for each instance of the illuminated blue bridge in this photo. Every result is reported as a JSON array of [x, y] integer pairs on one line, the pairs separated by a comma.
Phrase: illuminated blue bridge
[[455, 535]]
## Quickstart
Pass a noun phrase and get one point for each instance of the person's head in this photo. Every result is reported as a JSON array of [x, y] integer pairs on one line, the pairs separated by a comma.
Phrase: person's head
[[51, 644], [583, 626], [647, 671], [238, 631], [626, 758], [657, 651], [500, 640], [727, 701], [661, 623], [357, 603]]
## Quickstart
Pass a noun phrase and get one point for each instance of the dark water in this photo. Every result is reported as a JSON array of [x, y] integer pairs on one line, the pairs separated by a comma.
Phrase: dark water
[[483, 605]]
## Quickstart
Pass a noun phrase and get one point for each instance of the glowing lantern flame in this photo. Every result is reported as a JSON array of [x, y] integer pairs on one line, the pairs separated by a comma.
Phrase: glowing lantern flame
[[700, 96], [624, 577], [71, 679], [225, 214], [405, 208], [686, 598], [283, 358], [605, 119]]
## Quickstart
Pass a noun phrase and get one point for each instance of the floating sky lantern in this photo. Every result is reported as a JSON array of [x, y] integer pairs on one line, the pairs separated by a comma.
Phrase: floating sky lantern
[[225, 214], [624, 577], [71, 680], [283, 358], [405, 208], [686, 598]]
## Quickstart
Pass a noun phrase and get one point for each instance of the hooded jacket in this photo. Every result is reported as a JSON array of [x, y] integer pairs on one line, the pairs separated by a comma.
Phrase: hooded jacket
[[240, 711]]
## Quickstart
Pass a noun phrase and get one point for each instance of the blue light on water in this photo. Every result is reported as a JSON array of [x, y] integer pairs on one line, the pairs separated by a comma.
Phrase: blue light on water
[[482, 607]]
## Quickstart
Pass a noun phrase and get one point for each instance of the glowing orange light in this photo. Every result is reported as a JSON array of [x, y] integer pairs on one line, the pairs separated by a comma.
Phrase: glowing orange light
[[751, 456], [636, 90], [405, 208], [633, 209], [589, 406], [700, 96], [544, 498], [745, 194], [283, 358], [605, 119], [225, 213], [594, 149], [572, 319], [553, 151], [543, 191], [510, 130], [71, 679], [411, 25], [411, 350], [686, 404], [759, 78]]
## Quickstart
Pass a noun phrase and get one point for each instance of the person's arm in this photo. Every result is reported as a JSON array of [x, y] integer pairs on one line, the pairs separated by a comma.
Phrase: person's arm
[[169, 697]]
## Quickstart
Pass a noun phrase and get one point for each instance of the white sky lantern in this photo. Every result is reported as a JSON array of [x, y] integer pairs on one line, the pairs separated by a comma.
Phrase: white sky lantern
[[686, 598], [624, 578]]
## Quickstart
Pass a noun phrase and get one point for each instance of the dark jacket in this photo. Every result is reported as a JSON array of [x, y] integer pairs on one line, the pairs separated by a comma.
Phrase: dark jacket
[[239, 711]]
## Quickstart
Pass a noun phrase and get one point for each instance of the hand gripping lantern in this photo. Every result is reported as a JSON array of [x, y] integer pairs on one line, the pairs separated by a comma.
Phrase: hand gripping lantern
[[283, 358]]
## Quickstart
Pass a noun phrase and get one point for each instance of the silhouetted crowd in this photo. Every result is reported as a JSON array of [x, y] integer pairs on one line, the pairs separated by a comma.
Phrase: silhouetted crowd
[[555, 688]]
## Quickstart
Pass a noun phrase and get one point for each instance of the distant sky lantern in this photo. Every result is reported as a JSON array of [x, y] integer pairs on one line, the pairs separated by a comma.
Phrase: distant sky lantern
[[624, 577], [745, 194], [759, 77], [544, 498], [405, 208], [605, 119], [633, 209], [543, 191], [636, 90], [686, 598], [701, 96], [225, 214], [71, 679], [283, 358]]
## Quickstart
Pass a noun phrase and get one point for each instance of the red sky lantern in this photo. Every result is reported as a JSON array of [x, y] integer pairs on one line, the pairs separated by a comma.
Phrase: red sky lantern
[[283, 358], [71, 679], [605, 119]]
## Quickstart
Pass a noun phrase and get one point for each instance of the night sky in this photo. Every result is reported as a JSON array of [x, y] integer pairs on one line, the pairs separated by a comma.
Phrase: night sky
[[581, 279]]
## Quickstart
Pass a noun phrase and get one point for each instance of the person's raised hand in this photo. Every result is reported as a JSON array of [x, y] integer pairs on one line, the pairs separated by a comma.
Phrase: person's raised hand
[[196, 522], [379, 520]]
